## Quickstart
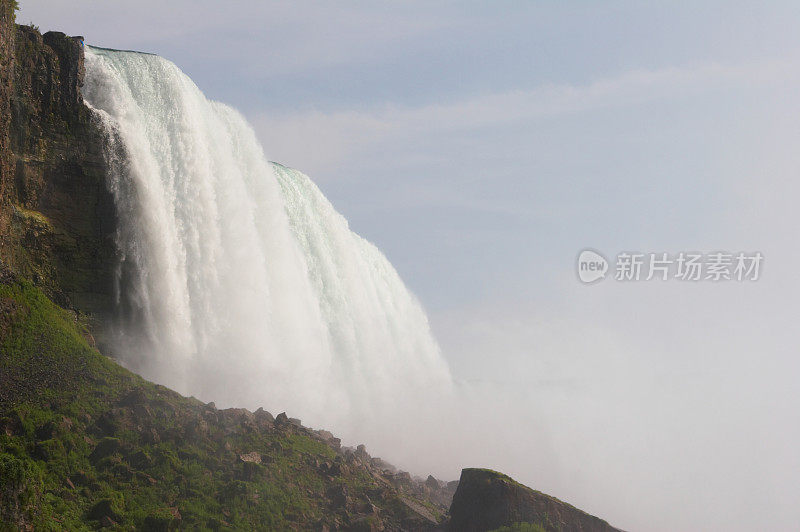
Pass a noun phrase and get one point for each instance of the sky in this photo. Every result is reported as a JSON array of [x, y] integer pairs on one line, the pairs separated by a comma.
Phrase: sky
[[482, 146]]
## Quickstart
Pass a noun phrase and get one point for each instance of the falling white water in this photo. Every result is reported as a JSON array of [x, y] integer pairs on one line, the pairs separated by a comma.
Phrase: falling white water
[[239, 282]]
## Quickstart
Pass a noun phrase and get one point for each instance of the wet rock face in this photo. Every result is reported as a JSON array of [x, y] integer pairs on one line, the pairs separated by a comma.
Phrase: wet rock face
[[71, 72], [57, 219], [487, 500], [47, 79], [7, 45]]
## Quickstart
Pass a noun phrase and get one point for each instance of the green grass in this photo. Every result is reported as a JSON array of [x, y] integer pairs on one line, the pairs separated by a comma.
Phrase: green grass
[[9, 8], [82, 438], [521, 527], [57, 389]]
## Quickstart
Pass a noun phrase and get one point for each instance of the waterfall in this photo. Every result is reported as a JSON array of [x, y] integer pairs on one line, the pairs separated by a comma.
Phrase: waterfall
[[238, 280]]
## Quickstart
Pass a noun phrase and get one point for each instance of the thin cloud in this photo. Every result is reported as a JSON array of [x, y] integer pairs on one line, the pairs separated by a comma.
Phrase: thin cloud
[[325, 139]]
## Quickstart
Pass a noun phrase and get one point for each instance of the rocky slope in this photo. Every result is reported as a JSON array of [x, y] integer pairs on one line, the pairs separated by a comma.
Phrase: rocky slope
[[84, 443]]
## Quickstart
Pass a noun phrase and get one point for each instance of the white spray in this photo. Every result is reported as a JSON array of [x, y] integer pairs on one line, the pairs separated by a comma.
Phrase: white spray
[[239, 282]]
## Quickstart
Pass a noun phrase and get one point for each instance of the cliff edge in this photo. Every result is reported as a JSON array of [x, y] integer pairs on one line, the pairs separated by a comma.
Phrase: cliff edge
[[57, 218]]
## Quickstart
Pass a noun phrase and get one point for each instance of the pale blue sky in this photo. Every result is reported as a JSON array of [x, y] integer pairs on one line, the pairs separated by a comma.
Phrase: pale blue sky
[[340, 91], [483, 145], [461, 207]]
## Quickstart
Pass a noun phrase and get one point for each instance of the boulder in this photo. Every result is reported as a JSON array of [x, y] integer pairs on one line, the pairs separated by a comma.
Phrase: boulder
[[252, 457], [383, 465], [487, 500], [362, 454], [326, 437], [263, 417]]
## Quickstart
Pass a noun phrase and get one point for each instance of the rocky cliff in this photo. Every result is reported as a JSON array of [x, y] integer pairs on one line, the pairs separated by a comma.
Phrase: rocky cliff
[[56, 216], [7, 45]]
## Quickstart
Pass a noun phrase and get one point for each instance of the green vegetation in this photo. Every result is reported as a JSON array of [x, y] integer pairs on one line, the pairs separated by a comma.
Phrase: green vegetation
[[521, 527], [9, 7], [86, 443]]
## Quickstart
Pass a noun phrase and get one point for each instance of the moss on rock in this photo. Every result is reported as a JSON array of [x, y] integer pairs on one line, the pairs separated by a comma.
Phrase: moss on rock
[[86, 443]]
